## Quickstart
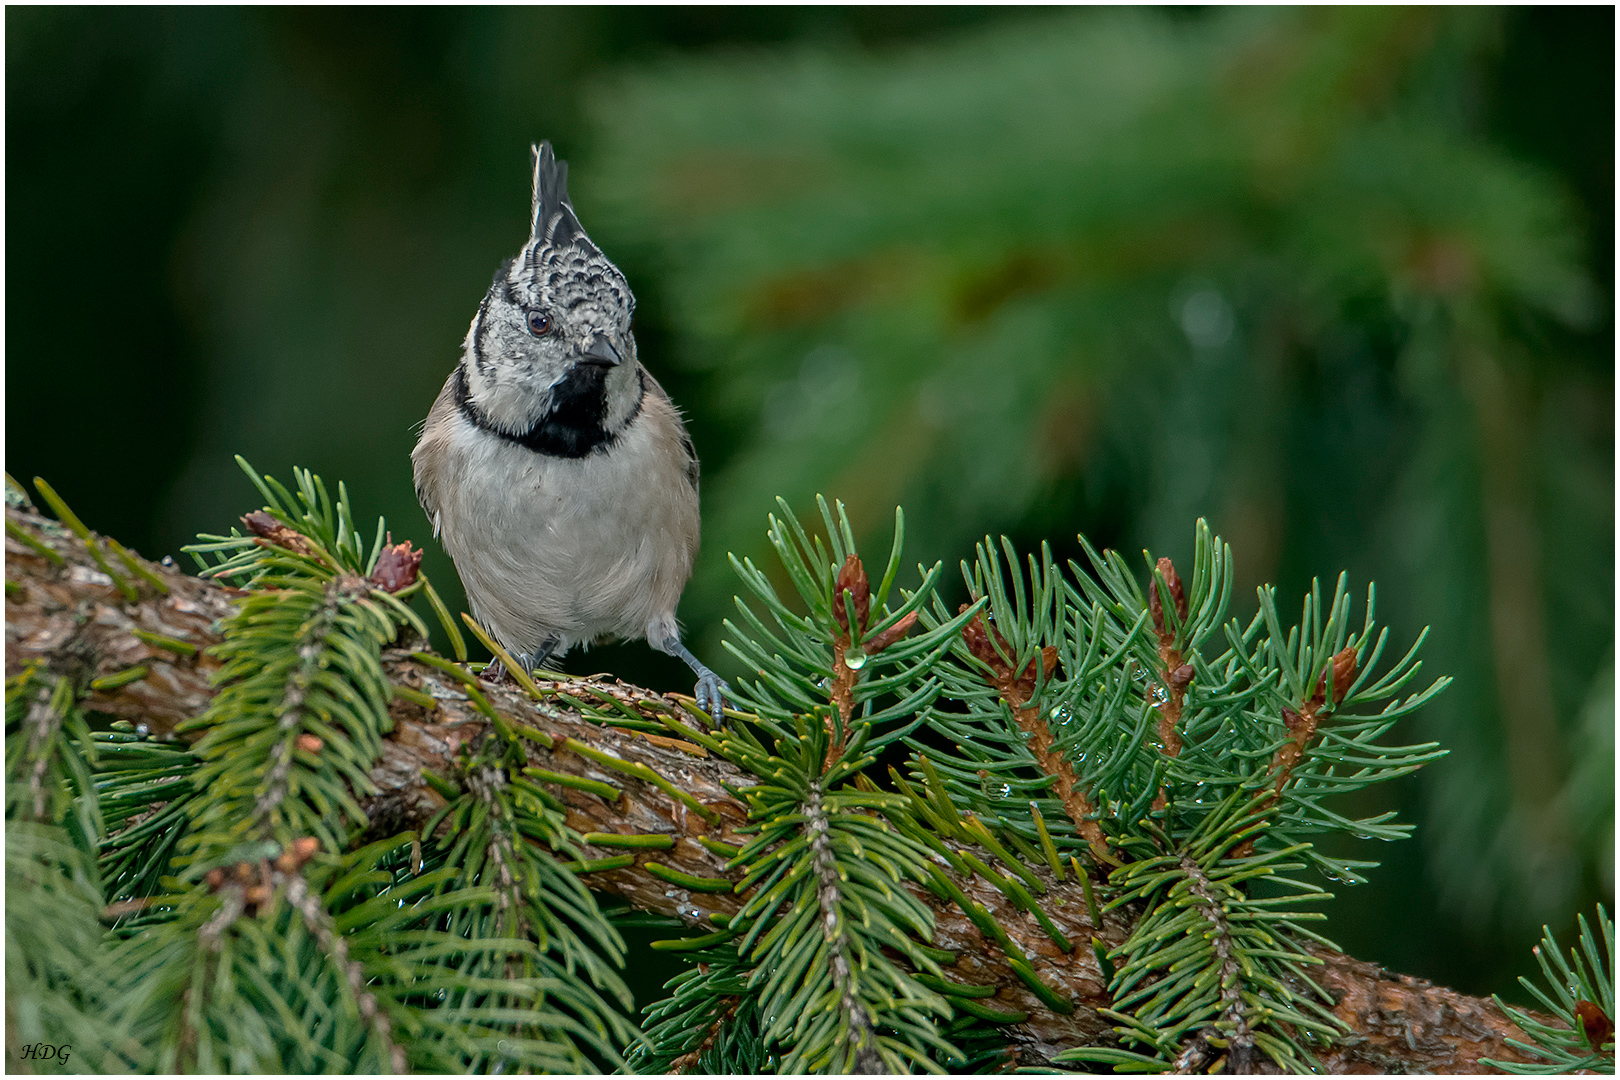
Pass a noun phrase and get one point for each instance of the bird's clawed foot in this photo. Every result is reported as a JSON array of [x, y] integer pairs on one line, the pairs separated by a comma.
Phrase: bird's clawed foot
[[711, 695], [496, 671], [711, 691]]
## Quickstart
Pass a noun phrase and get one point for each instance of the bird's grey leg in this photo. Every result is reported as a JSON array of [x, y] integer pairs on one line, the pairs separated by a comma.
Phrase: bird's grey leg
[[527, 660], [538, 658], [543, 652], [711, 690]]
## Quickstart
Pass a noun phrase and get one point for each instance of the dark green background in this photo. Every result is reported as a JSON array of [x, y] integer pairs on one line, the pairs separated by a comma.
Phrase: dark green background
[[264, 232]]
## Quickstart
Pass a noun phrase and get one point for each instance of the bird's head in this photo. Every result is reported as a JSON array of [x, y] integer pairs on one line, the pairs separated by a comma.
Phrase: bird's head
[[549, 356]]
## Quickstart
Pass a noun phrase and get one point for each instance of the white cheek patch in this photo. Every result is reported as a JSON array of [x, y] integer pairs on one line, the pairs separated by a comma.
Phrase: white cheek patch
[[512, 399]]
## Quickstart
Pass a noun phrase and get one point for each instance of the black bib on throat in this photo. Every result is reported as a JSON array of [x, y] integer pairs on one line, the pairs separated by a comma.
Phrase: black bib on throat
[[572, 427]]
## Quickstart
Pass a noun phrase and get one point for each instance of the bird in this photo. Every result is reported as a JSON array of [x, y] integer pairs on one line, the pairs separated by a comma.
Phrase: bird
[[553, 467]]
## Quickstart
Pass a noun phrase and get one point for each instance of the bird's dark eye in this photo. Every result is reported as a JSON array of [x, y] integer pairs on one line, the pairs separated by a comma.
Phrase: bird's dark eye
[[539, 323]]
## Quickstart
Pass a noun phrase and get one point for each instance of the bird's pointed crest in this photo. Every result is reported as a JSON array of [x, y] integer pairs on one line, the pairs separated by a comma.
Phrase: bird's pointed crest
[[553, 222]]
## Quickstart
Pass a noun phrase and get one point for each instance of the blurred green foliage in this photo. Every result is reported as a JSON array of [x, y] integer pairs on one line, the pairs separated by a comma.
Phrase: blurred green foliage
[[1339, 280]]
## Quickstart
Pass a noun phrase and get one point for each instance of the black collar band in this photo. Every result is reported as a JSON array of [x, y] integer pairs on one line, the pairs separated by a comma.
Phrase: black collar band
[[573, 426]]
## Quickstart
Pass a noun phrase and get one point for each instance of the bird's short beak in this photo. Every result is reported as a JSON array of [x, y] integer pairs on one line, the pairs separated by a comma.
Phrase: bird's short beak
[[601, 352]]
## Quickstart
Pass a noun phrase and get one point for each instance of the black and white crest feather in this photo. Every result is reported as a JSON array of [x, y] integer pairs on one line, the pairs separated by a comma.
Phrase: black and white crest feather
[[554, 222]]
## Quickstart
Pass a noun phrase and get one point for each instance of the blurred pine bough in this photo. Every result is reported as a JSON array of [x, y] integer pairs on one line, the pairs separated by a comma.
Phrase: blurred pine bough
[[1112, 270]]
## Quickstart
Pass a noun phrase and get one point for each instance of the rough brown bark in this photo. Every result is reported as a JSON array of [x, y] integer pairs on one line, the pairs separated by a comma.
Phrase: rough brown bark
[[70, 616]]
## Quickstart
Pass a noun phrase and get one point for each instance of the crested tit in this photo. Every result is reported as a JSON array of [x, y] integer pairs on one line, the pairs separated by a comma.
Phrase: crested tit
[[553, 466]]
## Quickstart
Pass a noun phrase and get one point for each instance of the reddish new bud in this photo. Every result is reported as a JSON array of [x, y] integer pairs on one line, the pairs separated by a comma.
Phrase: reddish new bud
[[882, 641], [262, 524], [1599, 1028], [1178, 595], [297, 853], [852, 579], [396, 566], [215, 878], [1049, 662], [309, 743], [271, 531], [1180, 678], [1344, 671], [977, 638], [1343, 667]]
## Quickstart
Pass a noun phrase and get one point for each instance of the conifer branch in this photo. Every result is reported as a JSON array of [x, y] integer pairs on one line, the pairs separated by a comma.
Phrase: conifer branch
[[1174, 675], [1302, 724], [484, 782], [858, 1020], [69, 616], [42, 722], [314, 632], [1233, 1022], [688, 1061], [1016, 689], [320, 924]]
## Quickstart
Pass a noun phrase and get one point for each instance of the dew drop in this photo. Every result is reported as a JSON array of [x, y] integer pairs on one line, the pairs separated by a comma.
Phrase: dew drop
[[854, 659]]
